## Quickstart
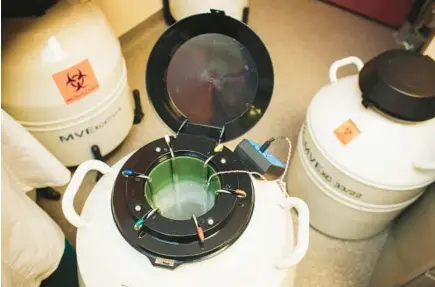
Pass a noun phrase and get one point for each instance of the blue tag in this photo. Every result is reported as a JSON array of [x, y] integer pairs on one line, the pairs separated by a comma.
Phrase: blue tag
[[273, 160]]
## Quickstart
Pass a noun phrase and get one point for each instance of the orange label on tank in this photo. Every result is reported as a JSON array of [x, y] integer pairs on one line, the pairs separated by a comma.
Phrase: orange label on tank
[[347, 132], [76, 82]]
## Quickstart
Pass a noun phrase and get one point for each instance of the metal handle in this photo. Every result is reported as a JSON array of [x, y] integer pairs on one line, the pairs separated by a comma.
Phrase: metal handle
[[74, 185], [341, 63], [303, 232]]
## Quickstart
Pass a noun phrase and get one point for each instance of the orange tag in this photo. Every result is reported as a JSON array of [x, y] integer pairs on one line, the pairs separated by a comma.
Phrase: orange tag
[[76, 82], [347, 132]]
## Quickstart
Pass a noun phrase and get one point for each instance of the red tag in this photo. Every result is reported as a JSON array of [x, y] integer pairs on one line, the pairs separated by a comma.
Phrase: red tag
[[200, 234]]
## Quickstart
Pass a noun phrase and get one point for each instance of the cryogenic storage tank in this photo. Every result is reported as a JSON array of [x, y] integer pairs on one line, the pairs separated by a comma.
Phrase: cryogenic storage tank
[[366, 149], [65, 80], [184, 210]]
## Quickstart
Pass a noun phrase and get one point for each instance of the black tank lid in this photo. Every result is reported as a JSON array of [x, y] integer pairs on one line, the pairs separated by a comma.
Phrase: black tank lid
[[210, 75], [401, 84]]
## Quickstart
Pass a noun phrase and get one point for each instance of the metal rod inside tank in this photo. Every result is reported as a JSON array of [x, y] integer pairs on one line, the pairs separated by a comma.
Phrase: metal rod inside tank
[[217, 149], [175, 178], [205, 186], [205, 175], [175, 185]]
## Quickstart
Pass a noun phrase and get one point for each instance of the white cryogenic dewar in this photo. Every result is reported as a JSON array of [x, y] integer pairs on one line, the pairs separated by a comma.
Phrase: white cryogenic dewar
[[264, 255], [64, 79], [366, 149], [180, 9], [184, 210]]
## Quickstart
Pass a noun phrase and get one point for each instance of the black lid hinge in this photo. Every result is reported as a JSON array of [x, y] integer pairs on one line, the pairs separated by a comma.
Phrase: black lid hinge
[[214, 132]]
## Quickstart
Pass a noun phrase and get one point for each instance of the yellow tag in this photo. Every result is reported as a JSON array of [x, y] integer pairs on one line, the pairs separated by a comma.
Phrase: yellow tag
[[219, 148]]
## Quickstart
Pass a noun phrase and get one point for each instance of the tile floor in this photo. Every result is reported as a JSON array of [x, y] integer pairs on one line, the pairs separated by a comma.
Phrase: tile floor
[[303, 38]]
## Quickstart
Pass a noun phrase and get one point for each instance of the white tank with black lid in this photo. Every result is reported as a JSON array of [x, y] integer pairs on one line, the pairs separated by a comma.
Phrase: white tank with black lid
[[153, 218], [369, 139]]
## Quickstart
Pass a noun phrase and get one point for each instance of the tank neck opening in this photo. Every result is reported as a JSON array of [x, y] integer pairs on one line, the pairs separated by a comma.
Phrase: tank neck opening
[[179, 188]]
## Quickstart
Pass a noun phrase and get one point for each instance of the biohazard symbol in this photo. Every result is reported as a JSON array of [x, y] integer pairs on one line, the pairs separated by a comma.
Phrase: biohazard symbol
[[348, 132], [76, 80]]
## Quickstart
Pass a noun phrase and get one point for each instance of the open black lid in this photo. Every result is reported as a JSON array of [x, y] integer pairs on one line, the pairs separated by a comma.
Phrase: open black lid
[[401, 84], [210, 75]]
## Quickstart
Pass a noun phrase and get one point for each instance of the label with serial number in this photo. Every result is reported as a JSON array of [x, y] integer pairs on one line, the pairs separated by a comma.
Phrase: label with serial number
[[318, 167]]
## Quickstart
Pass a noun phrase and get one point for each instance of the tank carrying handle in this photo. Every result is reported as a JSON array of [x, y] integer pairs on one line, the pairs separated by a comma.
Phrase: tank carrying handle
[[301, 247], [341, 63], [74, 185]]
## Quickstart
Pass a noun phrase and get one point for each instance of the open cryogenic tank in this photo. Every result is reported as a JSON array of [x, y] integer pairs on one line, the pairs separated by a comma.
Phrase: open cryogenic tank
[[184, 210]]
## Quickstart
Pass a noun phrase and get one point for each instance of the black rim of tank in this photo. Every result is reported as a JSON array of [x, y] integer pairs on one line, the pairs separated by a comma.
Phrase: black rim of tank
[[169, 243]]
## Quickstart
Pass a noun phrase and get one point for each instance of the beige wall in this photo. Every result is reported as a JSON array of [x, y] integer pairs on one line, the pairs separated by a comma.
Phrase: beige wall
[[123, 15]]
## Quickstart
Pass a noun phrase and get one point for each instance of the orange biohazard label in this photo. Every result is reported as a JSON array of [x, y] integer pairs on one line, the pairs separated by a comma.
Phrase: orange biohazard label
[[347, 132], [76, 82]]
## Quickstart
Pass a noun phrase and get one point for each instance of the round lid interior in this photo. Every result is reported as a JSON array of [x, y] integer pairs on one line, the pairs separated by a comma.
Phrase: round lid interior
[[210, 75], [400, 83]]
